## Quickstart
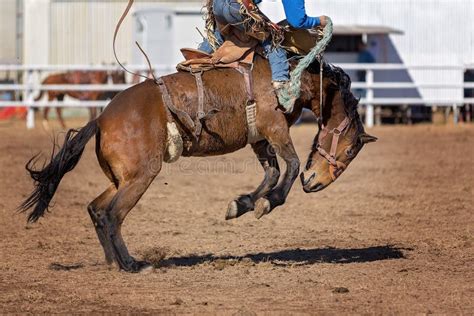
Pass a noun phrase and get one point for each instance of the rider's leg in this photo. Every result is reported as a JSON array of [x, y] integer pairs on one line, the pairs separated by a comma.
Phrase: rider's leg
[[278, 59], [280, 66], [225, 11]]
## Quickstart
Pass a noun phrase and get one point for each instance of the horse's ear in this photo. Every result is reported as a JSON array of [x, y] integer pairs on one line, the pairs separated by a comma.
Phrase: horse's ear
[[366, 138]]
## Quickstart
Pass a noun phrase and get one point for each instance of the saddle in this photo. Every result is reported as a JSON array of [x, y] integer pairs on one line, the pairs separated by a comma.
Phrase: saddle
[[237, 49]]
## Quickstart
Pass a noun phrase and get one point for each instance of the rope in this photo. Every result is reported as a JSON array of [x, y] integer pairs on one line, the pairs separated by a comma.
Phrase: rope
[[287, 97], [117, 29]]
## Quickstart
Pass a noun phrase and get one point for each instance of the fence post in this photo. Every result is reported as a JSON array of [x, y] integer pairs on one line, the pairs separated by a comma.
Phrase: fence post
[[29, 99], [369, 109], [456, 113]]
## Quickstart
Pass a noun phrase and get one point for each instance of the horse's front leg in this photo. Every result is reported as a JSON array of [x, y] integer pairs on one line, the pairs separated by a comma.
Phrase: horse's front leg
[[246, 203], [276, 197]]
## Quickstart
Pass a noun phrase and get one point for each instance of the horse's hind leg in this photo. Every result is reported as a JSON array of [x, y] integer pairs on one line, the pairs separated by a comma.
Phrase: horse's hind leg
[[130, 179], [267, 158], [130, 148], [96, 211], [123, 201], [131, 172]]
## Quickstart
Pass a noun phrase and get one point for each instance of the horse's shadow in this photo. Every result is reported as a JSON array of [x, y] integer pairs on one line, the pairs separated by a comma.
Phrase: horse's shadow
[[296, 256]]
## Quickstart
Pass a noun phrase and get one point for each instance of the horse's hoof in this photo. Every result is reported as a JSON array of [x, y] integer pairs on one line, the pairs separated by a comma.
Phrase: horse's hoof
[[141, 267], [146, 268], [239, 207], [262, 207], [232, 211]]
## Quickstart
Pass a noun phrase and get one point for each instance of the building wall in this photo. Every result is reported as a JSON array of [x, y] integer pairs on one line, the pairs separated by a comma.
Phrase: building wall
[[442, 24], [82, 31], [163, 32], [8, 31], [36, 32]]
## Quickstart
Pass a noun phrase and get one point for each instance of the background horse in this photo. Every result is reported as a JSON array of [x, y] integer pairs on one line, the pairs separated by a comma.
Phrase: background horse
[[79, 77], [131, 143]]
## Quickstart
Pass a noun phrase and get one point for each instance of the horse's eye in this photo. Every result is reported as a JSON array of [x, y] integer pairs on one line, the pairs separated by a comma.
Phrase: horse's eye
[[350, 153]]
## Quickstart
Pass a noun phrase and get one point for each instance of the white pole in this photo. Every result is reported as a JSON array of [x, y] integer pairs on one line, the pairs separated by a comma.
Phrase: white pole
[[369, 110], [456, 113], [30, 118], [28, 97]]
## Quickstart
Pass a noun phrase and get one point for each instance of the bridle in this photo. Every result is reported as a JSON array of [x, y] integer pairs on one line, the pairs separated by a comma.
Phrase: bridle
[[336, 167]]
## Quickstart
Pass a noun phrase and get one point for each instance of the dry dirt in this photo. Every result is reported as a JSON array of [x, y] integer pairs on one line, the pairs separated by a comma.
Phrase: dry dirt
[[393, 235]]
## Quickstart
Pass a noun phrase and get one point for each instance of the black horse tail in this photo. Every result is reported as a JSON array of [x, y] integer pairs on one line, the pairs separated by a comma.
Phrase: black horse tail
[[48, 178]]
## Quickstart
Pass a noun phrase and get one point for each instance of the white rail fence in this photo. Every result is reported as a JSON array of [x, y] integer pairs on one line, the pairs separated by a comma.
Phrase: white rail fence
[[33, 74]]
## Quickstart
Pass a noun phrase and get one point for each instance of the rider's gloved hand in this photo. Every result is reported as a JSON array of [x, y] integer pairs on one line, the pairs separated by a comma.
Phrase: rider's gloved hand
[[318, 30], [324, 20]]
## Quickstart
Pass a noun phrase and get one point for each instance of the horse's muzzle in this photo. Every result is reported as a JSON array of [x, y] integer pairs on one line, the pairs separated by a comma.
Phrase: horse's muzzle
[[307, 179]]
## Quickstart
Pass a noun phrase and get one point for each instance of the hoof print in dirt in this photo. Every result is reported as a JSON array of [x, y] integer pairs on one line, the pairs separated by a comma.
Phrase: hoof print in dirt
[[340, 290], [65, 267], [178, 301]]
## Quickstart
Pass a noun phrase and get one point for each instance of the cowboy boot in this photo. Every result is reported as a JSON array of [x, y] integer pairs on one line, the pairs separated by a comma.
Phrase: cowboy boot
[[280, 87]]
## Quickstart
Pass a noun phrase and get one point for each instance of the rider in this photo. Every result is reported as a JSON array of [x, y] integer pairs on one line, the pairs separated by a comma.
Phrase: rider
[[230, 11]]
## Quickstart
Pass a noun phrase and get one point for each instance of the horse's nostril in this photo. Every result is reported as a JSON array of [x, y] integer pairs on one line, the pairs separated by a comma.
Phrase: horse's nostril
[[307, 181]]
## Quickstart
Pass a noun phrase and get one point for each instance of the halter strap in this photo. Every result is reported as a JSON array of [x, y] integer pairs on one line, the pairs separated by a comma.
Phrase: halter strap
[[336, 132]]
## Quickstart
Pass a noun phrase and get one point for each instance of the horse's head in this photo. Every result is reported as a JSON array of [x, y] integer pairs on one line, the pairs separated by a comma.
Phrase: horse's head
[[341, 135]]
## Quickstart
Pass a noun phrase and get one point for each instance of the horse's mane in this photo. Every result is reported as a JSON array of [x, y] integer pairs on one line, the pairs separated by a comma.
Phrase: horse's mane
[[343, 82]]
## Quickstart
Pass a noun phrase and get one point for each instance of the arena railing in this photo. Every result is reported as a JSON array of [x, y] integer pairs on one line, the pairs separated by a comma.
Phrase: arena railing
[[33, 74]]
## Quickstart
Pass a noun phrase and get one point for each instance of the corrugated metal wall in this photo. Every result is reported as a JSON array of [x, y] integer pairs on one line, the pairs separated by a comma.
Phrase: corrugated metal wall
[[8, 31], [82, 30]]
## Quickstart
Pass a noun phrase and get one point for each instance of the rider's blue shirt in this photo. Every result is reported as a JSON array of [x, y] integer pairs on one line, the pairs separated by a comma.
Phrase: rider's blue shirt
[[295, 12]]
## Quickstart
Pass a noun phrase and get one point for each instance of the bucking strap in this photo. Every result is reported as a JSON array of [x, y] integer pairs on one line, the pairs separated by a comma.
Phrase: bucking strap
[[248, 79], [200, 113], [195, 127], [182, 116], [253, 135]]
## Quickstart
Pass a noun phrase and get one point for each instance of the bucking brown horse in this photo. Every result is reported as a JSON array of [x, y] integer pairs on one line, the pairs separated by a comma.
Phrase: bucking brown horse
[[78, 77], [132, 140]]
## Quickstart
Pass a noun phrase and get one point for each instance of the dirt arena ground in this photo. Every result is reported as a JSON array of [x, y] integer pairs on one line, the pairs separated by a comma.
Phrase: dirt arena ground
[[393, 235]]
